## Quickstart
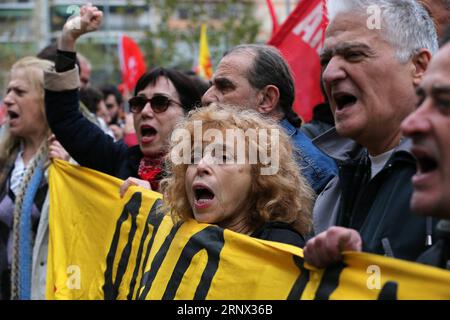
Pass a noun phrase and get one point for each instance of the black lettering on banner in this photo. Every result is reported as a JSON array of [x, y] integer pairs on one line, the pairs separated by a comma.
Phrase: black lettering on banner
[[329, 282], [301, 282], [110, 288], [389, 291], [154, 218], [149, 276], [211, 238]]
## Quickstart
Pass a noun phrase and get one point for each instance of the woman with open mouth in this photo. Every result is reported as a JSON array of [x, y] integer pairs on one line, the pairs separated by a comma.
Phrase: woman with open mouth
[[25, 147], [218, 188], [162, 97]]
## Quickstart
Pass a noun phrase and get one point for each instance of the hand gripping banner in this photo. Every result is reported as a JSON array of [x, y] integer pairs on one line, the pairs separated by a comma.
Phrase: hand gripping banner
[[105, 247]]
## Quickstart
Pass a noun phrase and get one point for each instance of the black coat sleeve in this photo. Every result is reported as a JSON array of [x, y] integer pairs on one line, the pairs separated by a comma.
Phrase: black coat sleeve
[[84, 141]]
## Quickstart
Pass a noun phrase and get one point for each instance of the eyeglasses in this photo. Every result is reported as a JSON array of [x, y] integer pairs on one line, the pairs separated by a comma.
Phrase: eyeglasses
[[158, 103]]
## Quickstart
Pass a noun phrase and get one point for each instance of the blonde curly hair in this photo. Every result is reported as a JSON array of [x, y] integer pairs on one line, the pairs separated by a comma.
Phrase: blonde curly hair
[[285, 196]]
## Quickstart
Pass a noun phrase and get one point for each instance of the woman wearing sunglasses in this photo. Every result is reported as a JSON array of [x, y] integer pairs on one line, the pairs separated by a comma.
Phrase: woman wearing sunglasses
[[162, 97]]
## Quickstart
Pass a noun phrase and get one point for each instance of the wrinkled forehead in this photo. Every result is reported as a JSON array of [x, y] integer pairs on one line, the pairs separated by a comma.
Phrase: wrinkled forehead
[[235, 64], [356, 24], [27, 76], [350, 27]]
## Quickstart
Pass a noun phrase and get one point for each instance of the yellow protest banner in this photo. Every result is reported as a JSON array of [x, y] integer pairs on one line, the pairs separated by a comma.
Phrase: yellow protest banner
[[105, 247]]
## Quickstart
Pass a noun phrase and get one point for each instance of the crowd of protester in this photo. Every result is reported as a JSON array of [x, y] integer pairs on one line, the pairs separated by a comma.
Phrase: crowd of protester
[[369, 173]]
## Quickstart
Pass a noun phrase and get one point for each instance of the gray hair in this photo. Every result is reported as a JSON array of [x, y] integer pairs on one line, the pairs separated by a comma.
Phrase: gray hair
[[408, 25], [270, 68]]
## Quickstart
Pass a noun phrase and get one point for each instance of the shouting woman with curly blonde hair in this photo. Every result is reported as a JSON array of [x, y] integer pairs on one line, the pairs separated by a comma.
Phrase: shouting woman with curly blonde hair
[[261, 194]]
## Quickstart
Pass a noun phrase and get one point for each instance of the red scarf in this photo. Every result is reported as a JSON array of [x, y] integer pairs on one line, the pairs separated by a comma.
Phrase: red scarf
[[150, 170]]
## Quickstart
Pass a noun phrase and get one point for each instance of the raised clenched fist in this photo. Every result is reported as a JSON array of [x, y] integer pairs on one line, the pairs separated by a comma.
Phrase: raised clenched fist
[[89, 20]]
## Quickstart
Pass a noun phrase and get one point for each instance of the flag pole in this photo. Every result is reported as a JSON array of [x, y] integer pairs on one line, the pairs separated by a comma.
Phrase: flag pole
[[288, 7], [273, 15]]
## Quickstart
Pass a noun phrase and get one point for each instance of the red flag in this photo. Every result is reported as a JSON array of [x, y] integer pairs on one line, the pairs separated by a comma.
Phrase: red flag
[[300, 40], [132, 64], [273, 15]]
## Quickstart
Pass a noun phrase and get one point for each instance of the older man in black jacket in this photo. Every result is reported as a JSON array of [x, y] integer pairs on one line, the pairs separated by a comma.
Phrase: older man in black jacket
[[371, 67]]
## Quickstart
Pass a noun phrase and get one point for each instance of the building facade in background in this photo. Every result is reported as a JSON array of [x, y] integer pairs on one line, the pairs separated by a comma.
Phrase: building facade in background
[[168, 36]]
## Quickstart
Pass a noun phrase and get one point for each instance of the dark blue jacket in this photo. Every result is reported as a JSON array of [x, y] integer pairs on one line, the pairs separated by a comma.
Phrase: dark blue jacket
[[316, 166]]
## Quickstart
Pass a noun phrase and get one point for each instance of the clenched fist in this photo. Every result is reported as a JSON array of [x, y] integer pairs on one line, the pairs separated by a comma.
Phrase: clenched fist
[[89, 20]]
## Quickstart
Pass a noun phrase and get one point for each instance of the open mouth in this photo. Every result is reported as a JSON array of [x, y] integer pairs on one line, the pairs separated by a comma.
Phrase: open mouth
[[204, 196], [13, 115], [344, 100], [426, 163], [148, 131]]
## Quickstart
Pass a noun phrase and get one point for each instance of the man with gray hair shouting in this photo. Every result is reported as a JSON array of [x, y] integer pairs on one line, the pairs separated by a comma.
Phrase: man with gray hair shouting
[[374, 57]]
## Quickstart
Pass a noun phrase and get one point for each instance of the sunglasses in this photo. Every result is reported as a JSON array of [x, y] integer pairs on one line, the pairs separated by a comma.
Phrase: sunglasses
[[158, 103]]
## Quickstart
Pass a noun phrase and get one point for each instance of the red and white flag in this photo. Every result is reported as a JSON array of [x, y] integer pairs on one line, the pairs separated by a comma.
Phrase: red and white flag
[[132, 63], [300, 40]]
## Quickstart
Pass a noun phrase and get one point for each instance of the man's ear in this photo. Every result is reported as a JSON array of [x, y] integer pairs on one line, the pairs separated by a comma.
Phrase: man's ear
[[420, 64], [269, 97]]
